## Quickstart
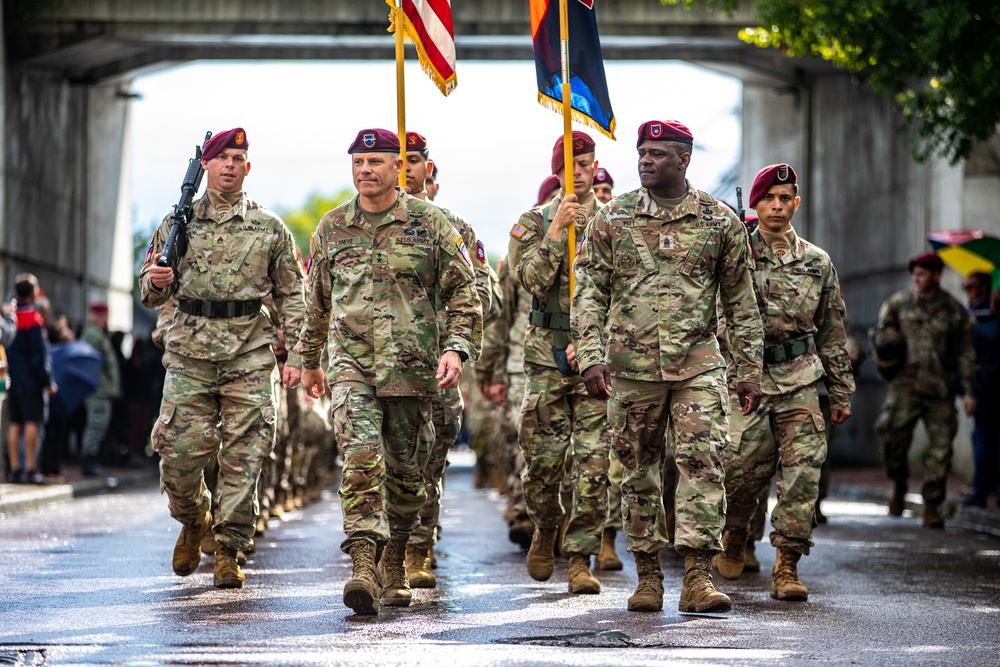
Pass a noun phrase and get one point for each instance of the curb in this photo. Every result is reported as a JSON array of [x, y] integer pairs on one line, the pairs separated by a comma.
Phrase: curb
[[20, 498]]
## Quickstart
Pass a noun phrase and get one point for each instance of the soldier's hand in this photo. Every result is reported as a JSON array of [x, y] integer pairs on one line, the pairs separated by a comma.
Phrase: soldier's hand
[[160, 276], [969, 404], [290, 376], [839, 416], [571, 358], [498, 393], [449, 370], [565, 216], [598, 382], [314, 382], [749, 395]]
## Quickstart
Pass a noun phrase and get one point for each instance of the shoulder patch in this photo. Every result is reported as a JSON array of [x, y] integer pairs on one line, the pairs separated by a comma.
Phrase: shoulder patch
[[463, 251], [149, 251], [518, 230], [480, 251]]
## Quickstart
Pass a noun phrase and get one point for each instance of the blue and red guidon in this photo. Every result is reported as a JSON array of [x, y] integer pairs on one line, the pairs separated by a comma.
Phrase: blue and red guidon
[[590, 101]]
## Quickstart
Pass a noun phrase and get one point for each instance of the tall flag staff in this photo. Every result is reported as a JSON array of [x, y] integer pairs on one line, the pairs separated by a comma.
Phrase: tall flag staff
[[428, 25], [582, 97]]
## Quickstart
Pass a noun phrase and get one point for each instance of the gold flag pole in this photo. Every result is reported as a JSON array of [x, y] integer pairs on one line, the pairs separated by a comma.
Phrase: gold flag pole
[[400, 89], [567, 131]]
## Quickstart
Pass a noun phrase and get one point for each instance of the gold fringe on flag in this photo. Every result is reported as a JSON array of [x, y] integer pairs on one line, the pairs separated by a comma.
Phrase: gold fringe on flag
[[557, 106], [410, 35]]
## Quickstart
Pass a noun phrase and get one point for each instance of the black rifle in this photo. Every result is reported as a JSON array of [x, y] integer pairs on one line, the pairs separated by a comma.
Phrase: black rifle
[[176, 245], [739, 205]]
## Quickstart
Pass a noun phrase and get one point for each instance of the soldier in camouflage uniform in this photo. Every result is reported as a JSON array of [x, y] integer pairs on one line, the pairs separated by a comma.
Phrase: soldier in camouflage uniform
[[558, 417], [218, 397], [375, 265], [938, 354], [447, 406], [500, 376], [651, 269], [798, 295]]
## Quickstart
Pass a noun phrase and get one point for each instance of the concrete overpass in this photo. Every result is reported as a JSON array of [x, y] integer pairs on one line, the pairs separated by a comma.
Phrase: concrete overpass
[[66, 90]]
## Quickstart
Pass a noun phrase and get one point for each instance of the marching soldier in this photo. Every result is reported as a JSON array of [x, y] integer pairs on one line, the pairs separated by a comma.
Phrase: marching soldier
[[557, 414], [375, 265], [218, 397], [447, 405], [804, 342], [651, 271], [934, 332], [603, 185]]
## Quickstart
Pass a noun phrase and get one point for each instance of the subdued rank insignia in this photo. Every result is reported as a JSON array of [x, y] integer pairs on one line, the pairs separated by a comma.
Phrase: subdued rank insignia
[[464, 251], [480, 251], [517, 231], [625, 261]]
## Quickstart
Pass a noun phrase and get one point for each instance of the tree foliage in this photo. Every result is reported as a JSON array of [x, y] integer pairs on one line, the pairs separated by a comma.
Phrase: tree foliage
[[302, 221], [938, 59]]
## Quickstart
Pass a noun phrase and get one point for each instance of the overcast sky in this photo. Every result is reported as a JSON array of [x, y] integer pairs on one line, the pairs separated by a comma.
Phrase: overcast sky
[[490, 138]]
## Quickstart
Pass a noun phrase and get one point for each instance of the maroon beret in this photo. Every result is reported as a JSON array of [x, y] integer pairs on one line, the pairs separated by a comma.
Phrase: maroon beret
[[98, 307], [928, 260], [416, 143], [375, 140], [582, 143], [234, 138], [772, 174], [602, 176], [664, 130], [549, 185]]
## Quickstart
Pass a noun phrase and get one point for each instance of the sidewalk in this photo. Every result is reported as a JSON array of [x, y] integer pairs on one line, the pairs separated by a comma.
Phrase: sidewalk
[[862, 484], [24, 497]]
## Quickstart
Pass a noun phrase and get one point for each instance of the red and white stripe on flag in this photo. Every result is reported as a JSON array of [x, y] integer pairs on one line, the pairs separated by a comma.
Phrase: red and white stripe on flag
[[429, 26]]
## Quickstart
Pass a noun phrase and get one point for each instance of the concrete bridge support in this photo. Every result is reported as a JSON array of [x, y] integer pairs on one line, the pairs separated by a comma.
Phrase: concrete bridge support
[[66, 207]]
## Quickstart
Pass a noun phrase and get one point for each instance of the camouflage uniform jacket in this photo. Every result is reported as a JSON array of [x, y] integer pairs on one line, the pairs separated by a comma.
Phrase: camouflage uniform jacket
[[110, 385], [799, 296], [487, 287], [372, 296], [537, 261], [939, 348], [503, 339], [649, 281], [244, 254]]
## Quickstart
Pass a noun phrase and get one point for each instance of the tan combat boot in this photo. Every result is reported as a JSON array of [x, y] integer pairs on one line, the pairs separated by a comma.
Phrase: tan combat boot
[[898, 502], [187, 550], [608, 559], [750, 562], [541, 558], [648, 595], [698, 595], [362, 592], [732, 560], [227, 570], [932, 518], [785, 584], [418, 567], [391, 573], [581, 581]]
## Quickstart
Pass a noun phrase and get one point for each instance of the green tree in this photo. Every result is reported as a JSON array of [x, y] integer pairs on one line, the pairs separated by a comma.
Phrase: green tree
[[302, 221], [938, 59]]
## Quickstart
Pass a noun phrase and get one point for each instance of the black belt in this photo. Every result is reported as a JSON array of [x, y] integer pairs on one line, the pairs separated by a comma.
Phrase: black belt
[[217, 309], [790, 350]]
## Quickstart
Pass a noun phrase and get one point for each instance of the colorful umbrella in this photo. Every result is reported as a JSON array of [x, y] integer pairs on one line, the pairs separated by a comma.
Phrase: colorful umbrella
[[968, 251]]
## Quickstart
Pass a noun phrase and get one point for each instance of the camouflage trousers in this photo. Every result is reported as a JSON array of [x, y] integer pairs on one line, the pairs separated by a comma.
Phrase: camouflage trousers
[[615, 474], [902, 408], [223, 410], [514, 464], [696, 411], [385, 442], [558, 418], [446, 413], [786, 428]]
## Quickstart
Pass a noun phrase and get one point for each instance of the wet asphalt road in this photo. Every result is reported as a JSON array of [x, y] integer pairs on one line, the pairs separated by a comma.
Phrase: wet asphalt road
[[88, 582]]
